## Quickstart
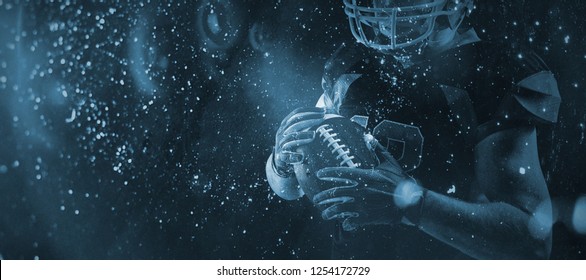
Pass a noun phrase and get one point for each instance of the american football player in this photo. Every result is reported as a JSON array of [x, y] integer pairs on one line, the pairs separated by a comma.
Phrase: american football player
[[454, 120]]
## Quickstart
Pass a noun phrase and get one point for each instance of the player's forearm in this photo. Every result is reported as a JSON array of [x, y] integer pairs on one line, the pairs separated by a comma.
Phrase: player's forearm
[[285, 187], [482, 230]]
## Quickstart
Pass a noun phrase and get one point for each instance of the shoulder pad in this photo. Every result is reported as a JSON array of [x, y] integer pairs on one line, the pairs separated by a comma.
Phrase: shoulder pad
[[343, 61], [539, 95]]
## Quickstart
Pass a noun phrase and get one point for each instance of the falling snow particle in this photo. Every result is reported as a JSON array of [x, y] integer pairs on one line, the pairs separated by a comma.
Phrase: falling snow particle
[[522, 170], [71, 118]]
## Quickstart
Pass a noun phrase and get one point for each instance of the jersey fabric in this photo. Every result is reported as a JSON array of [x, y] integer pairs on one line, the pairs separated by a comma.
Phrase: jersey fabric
[[430, 115]]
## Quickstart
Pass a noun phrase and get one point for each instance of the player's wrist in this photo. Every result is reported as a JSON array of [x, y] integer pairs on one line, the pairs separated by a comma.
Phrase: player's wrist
[[409, 197], [284, 171], [413, 213]]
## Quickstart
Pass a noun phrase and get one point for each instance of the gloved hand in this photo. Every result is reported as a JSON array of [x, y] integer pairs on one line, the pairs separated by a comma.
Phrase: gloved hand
[[368, 196], [292, 134]]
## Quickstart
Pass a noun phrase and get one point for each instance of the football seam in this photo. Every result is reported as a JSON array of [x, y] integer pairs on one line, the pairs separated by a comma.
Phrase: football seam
[[334, 143]]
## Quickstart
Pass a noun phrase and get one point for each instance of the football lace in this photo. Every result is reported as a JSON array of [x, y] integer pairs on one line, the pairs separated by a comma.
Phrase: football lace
[[334, 143]]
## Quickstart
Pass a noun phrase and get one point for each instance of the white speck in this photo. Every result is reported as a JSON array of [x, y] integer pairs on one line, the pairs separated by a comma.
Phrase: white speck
[[70, 191], [244, 232], [522, 170], [3, 79], [567, 39], [71, 118], [62, 208], [3, 169], [452, 189]]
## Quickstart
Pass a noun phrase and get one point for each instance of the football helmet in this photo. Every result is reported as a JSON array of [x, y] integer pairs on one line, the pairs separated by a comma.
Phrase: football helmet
[[390, 25]]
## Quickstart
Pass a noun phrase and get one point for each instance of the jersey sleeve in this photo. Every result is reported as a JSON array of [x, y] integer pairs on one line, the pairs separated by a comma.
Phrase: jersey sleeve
[[535, 98], [527, 94]]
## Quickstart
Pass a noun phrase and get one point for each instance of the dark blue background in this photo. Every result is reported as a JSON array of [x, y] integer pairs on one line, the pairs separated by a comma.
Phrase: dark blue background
[[173, 122]]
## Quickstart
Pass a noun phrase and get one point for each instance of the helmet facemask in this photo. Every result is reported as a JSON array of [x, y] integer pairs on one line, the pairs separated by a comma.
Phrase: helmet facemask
[[394, 25]]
